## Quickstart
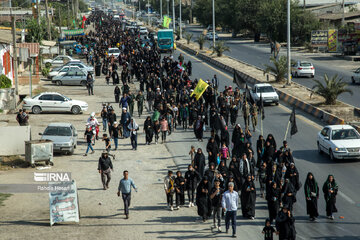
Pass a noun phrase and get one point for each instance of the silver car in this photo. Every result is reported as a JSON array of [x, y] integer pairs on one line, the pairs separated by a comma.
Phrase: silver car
[[63, 135], [75, 76]]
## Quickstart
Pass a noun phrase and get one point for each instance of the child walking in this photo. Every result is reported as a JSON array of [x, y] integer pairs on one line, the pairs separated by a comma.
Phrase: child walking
[[107, 141]]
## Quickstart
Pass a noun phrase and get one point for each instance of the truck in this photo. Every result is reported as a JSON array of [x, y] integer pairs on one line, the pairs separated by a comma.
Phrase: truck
[[165, 40]]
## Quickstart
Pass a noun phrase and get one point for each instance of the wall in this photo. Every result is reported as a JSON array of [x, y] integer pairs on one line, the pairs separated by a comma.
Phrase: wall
[[12, 140]]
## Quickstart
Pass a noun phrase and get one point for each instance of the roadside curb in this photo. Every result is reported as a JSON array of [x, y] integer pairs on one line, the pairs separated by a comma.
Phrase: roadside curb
[[287, 98]]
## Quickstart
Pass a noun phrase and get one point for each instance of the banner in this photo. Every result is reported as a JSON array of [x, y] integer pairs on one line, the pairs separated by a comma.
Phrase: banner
[[74, 32], [319, 38], [64, 205], [166, 22], [199, 89], [332, 40]]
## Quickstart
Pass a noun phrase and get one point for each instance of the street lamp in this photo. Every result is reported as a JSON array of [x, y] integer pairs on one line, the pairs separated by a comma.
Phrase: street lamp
[[213, 13], [148, 12], [288, 45], [180, 19], [173, 10], [161, 10]]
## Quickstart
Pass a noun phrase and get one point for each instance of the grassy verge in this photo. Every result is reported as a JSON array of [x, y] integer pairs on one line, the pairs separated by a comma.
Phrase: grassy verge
[[7, 163], [3, 197], [39, 90]]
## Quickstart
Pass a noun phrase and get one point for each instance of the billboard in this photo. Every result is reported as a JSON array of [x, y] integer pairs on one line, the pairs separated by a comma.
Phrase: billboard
[[319, 38], [332, 40]]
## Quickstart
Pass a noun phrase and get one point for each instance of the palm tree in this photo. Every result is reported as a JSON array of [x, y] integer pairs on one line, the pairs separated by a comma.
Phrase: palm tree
[[188, 37], [279, 68], [201, 41], [331, 89], [220, 48]]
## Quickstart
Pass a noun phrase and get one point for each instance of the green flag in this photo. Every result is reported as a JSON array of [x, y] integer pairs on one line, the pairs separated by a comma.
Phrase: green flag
[[166, 22], [74, 24]]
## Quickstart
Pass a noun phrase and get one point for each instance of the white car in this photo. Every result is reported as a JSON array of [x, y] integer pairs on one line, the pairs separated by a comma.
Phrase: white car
[[355, 76], [54, 102], [303, 68], [210, 36], [60, 72], [59, 60], [143, 31], [114, 51], [339, 142], [266, 91]]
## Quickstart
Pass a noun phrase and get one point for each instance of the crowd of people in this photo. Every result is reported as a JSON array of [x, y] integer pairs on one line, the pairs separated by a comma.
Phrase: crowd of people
[[234, 161]]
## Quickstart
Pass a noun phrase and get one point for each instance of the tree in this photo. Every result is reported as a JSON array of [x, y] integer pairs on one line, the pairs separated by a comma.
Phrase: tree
[[188, 37], [201, 41], [35, 32], [331, 88], [278, 68], [5, 82], [220, 48]]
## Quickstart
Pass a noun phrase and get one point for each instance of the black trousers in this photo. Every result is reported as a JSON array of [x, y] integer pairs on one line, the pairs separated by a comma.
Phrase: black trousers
[[191, 194], [126, 198], [170, 198], [180, 198]]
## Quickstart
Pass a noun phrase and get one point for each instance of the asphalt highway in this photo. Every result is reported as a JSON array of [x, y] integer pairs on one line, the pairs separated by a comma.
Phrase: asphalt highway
[[303, 146], [258, 54]]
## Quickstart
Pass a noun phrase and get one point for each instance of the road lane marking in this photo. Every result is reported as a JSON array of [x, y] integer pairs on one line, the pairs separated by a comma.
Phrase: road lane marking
[[346, 198]]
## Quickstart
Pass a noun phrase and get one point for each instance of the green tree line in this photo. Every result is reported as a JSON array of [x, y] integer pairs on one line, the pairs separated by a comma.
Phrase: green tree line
[[258, 16]]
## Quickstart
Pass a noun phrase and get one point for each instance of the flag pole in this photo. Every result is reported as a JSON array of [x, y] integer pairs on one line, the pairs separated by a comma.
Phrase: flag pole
[[261, 123], [287, 130]]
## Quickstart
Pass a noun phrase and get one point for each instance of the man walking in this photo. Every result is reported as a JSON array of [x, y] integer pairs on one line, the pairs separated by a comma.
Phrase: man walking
[[125, 188], [229, 203], [105, 167], [254, 115], [216, 194], [246, 114], [90, 84], [140, 102]]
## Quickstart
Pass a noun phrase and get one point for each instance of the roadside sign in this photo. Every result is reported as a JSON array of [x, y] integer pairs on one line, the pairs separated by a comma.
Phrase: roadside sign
[[64, 205], [319, 38]]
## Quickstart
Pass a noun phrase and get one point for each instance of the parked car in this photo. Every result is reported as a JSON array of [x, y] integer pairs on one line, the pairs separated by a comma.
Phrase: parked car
[[53, 102], [60, 71], [59, 60], [355, 76], [210, 36], [339, 142], [114, 51], [82, 66], [143, 31], [266, 91], [75, 76], [63, 135], [303, 68]]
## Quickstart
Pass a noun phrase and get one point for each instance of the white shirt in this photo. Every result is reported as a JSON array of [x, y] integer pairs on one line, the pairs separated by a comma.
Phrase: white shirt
[[230, 201]]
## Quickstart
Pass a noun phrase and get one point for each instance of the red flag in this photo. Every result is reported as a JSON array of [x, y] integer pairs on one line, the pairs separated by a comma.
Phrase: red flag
[[83, 22]]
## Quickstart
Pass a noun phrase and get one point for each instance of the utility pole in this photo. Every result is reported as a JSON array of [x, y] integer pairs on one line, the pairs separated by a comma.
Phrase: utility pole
[[139, 7], [288, 45], [180, 19], [161, 10], [48, 19], [30, 82], [343, 13], [304, 5], [14, 53], [68, 13], [173, 13], [190, 13], [213, 18], [168, 7], [38, 11], [148, 12]]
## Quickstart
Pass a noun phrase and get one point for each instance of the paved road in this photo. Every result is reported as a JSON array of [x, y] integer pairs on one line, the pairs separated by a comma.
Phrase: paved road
[[258, 54], [307, 159]]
